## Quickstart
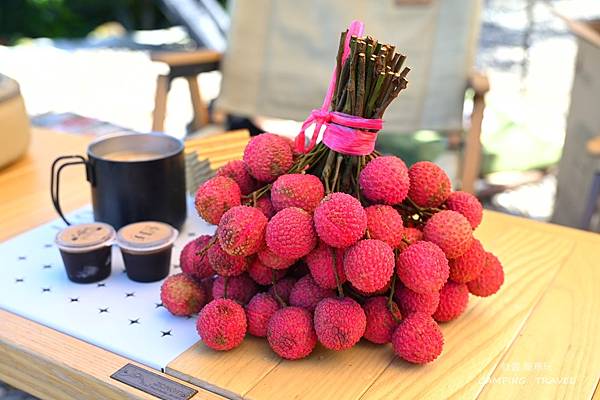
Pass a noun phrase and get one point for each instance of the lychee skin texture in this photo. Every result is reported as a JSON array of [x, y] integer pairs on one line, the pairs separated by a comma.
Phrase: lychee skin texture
[[182, 295], [451, 231], [236, 170], [410, 302], [491, 278], [283, 288], [429, 184], [239, 288], [321, 263], [225, 264], [454, 298], [268, 156], [410, 235], [222, 324], [385, 223], [291, 234], [380, 321], [369, 265], [207, 285], [339, 323], [307, 294], [385, 180], [468, 205], [468, 266], [290, 333], [215, 196], [304, 191], [259, 311], [241, 230], [418, 339], [340, 220], [262, 274], [192, 264], [272, 260], [423, 267]]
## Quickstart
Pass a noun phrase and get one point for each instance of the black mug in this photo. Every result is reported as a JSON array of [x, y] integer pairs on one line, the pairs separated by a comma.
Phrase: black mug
[[134, 177]]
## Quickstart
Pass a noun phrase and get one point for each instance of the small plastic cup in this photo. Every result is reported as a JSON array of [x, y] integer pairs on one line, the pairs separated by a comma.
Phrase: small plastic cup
[[86, 251], [146, 248]]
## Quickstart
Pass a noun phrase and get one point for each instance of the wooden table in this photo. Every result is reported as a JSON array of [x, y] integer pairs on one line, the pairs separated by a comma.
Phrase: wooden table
[[538, 338]]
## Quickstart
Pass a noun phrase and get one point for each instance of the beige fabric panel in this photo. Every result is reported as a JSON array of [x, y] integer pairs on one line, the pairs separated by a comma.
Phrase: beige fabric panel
[[281, 55]]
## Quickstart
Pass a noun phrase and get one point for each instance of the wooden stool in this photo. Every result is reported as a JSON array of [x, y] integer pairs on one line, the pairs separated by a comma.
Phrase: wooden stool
[[593, 148], [187, 65]]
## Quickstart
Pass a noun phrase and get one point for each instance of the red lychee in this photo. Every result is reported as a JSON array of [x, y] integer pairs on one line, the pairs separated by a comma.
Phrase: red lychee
[[466, 204], [410, 235], [192, 264], [222, 324], [304, 191], [468, 266], [241, 230], [262, 274], [339, 323], [225, 264], [418, 339], [272, 260], [291, 234], [264, 204], [381, 323], [215, 196], [290, 333], [259, 311], [236, 170], [306, 293], [322, 262], [385, 223], [409, 301], [182, 295], [369, 265], [450, 231], [429, 184], [239, 288], [384, 180], [268, 156], [340, 220], [454, 298], [490, 279], [423, 267]]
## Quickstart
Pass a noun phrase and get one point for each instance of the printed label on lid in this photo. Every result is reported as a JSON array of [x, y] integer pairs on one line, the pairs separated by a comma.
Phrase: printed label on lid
[[84, 235]]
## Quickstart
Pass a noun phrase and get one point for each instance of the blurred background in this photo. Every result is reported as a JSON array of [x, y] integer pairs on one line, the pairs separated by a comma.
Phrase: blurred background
[[502, 93]]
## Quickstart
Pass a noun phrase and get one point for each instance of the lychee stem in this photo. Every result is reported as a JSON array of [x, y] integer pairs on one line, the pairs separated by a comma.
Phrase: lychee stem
[[335, 273], [390, 302], [208, 245], [277, 297]]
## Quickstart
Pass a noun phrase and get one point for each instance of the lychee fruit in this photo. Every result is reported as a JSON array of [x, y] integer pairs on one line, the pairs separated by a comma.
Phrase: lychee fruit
[[410, 235], [340, 220], [339, 322], [262, 274], [290, 333], [384, 180], [222, 324], [215, 196], [207, 285], [468, 266], [239, 288], [264, 204], [381, 323], [454, 298], [191, 263], [290, 233], [466, 204], [418, 339], [241, 230], [322, 262], [272, 260], [306, 293], [225, 264], [369, 265], [385, 223], [490, 279], [451, 231], [268, 156], [423, 267], [282, 288], [182, 295], [410, 301], [259, 311], [304, 191], [236, 170], [429, 184]]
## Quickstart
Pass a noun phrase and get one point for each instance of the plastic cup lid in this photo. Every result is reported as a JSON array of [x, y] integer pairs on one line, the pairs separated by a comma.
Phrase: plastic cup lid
[[146, 237], [85, 237]]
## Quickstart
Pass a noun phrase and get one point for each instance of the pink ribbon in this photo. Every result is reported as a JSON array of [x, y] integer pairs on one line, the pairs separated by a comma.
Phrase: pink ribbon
[[346, 134]]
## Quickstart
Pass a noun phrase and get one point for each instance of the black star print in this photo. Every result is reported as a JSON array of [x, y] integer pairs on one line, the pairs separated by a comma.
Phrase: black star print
[[45, 290], [74, 299], [165, 333], [48, 245], [47, 266], [158, 305], [58, 228], [103, 310], [190, 234], [130, 294], [22, 258], [134, 321], [176, 266], [101, 285], [19, 280]]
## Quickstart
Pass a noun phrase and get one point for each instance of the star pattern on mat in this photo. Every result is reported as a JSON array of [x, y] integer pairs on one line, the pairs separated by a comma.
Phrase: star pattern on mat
[[74, 299], [158, 305], [101, 285], [130, 294], [103, 310], [22, 258], [165, 333], [47, 266], [19, 280], [46, 290], [134, 321]]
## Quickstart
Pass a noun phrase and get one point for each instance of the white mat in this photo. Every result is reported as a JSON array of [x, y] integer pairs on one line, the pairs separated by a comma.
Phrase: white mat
[[117, 314]]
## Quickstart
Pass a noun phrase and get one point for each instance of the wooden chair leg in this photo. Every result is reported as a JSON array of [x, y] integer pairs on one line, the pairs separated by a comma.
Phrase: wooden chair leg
[[200, 108], [160, 103]]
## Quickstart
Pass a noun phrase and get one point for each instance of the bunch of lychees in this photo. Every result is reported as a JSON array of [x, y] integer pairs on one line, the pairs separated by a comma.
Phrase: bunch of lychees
[[301, 255]]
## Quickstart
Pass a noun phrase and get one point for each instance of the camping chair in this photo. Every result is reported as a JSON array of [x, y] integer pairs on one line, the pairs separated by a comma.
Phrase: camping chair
[[280, 55]]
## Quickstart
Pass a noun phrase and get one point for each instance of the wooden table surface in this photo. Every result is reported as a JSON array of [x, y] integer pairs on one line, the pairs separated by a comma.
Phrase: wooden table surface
[[538, 338]]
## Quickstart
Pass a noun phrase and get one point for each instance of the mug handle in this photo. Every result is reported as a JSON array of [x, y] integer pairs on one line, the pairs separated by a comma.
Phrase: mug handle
[[55, 179]]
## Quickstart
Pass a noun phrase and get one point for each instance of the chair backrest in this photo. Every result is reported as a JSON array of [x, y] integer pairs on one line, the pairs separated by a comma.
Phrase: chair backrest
[[281, 53]]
